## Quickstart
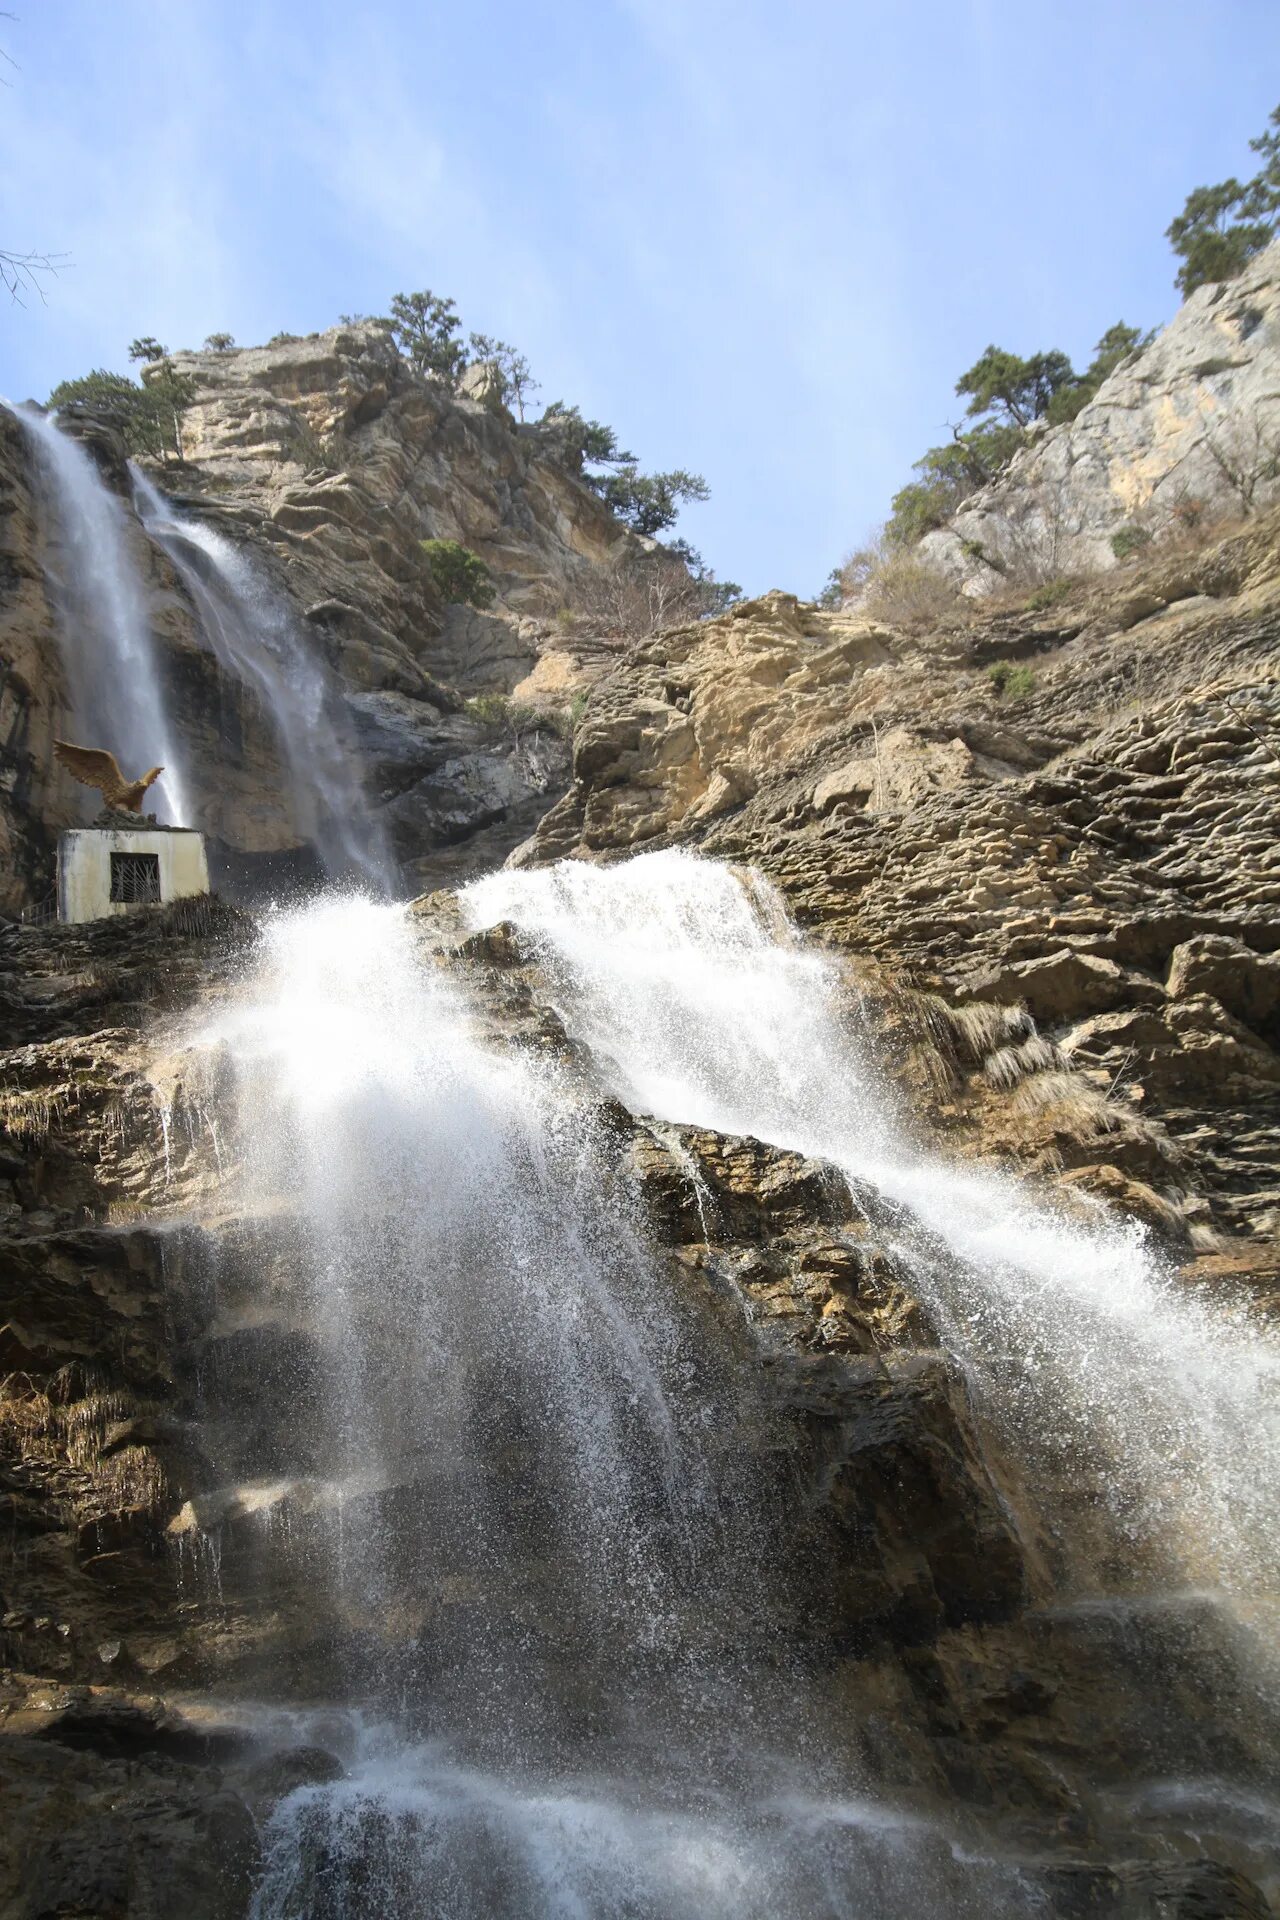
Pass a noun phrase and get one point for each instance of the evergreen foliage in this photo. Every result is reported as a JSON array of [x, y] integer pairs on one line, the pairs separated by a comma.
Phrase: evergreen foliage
[[511, 367], [1011, 392], [1221, 227], [648, 503], [1007, 396], [460, 576], [576, 442], [425, 329], [147, 417]]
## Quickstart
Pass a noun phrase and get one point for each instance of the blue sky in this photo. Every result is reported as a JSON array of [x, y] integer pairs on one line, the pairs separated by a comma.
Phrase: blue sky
[[759, 239]]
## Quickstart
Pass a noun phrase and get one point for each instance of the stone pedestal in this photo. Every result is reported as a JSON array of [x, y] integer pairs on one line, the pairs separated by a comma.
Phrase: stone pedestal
[[104, 871]]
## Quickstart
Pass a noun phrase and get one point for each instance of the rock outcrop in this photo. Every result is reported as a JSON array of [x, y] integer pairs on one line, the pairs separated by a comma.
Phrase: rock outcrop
[[1064, 899], [1182, 434], [1054, 896]]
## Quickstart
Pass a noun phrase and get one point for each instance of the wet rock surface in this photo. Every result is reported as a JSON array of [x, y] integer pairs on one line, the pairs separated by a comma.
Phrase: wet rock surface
[[1059, 923], [163, 1419]]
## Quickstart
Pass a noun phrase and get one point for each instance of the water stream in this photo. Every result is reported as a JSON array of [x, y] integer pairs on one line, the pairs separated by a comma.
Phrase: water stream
[[542, 1526], [255, 636], [556, 1579], [117, 698], [690, 988]]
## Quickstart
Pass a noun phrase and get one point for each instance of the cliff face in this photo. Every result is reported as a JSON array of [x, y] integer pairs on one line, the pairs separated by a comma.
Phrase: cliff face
[[325, 462], [1182, 434], [1041, 840]]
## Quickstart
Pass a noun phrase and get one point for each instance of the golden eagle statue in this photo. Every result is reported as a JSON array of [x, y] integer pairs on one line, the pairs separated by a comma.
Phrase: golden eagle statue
[[95, 767]]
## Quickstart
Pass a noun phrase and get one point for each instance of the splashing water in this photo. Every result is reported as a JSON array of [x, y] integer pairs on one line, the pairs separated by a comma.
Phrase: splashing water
[[529, 1455], [415, 1834], [470, 1286], [255, 637], [109, 656], [685, 980]]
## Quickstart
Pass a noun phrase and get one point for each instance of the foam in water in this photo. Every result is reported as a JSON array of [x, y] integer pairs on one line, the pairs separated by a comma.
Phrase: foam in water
[[702, 1007], [255, 637], [415, 1834], [113, 677]]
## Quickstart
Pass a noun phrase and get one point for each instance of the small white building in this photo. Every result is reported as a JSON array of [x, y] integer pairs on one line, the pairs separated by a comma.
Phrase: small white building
[[108, 870]]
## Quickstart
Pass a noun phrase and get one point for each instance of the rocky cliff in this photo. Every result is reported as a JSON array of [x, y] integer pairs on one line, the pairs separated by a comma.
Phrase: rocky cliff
[[1040, 836], [1182, 434], [176, 1656], [326, 462]]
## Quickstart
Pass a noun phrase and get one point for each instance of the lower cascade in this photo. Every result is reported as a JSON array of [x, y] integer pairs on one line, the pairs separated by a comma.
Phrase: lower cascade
[[572, 1626]]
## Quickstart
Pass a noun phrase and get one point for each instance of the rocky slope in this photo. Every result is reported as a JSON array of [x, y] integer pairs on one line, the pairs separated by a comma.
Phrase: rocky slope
[[1182, 434], [1055, 894], [1064, 895]]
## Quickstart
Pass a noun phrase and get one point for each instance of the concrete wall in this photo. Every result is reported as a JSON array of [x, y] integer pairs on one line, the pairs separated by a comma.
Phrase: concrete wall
[[84, 868]]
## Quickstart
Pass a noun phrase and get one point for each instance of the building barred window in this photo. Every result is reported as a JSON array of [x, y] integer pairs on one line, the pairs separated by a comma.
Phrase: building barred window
[[135, 878]]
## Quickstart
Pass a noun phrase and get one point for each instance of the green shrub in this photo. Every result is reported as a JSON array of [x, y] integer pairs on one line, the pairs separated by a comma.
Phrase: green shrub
[[1128, 541], [1051, 594], [148, 418], [1010, 682], [500, 712], [460, 576]]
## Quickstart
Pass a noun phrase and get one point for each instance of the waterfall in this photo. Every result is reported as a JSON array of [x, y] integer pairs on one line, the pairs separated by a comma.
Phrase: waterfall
[[109, 657], [255, 637], [528, 1522], [689, 987]]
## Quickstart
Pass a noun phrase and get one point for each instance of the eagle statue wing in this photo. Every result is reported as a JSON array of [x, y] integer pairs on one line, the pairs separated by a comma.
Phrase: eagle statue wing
[[92, 766]]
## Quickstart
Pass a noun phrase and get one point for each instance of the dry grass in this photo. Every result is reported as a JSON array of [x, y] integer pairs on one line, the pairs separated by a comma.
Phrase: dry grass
[[1008, 1066], [972, 1032], [65, 1423], [894, 584]]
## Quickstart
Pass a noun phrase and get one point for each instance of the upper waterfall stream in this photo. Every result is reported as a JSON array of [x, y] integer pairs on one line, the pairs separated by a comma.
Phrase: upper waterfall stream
[[254, 634], [112, 672]]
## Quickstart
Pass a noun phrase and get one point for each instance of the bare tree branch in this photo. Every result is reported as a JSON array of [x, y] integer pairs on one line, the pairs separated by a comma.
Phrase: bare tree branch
[[21, 272]]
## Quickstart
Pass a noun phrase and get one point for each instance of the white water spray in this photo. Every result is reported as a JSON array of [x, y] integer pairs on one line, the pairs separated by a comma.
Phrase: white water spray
[[255, 637], [685, 981], [109, 655], [529, 1447]]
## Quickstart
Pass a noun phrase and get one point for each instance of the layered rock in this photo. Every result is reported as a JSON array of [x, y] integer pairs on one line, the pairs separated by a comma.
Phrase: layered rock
[[163, 1431], [1091, 856]]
